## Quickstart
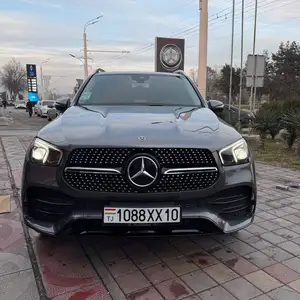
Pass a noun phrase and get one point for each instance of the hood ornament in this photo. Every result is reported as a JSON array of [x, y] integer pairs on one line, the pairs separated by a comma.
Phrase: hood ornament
[[142, 138]]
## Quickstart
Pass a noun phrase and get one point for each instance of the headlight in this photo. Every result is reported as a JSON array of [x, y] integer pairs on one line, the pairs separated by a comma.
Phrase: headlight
[[45, 153], [236, 153]]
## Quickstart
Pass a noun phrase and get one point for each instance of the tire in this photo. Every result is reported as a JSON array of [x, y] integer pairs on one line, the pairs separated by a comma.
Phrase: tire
[[49, 119]]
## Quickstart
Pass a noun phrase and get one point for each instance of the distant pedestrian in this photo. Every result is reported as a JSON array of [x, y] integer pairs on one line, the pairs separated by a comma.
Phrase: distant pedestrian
[[29, 107]]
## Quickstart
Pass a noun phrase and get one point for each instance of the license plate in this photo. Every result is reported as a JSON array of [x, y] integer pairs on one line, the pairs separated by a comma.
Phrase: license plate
[[128, 215]]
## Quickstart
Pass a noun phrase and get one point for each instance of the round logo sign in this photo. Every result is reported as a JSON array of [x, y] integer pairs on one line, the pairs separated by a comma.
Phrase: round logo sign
[[170, 57]]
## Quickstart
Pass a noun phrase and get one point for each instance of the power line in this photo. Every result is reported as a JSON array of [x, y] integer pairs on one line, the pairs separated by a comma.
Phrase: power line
[[188, 31], [148, 46], [265, 11], [194, 29], [165, 15], [246, 11], [265, 26]]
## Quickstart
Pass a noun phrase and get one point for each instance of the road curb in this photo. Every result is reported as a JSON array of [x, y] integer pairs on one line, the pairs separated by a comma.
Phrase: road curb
[[36, 271]]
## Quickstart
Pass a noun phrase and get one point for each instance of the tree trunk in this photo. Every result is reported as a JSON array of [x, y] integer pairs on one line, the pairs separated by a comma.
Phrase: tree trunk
[[262, 141]]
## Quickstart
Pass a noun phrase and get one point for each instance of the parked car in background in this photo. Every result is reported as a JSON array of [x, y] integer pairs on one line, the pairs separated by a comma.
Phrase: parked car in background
[[52, 113], [35, 108], [43, 107], [245, 115], [20, 104]]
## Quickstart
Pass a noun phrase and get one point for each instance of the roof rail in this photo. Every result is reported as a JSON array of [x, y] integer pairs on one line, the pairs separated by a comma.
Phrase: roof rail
[[99, 70], [180, 72]]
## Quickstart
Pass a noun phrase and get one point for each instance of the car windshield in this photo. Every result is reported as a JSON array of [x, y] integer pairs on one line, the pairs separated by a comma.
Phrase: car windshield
[[47, 103], [139, 89], [20, 101]]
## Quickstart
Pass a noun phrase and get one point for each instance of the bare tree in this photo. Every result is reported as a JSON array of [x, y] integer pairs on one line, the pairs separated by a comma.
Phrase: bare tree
[[13, 78], [212, 79], [193, 75]]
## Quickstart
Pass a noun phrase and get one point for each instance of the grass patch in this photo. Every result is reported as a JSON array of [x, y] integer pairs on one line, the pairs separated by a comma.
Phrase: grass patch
[[245, 107], [276, 153]]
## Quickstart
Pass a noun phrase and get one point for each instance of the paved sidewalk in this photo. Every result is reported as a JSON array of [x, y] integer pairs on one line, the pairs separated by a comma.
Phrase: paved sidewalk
[[259, 263]]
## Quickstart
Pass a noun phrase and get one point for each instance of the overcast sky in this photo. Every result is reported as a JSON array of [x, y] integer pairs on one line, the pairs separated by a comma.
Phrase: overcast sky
[[34, 30]]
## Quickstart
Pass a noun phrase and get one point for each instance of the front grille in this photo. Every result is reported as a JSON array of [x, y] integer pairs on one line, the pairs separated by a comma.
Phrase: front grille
[[116, 157], [117, 184], [119, 157]]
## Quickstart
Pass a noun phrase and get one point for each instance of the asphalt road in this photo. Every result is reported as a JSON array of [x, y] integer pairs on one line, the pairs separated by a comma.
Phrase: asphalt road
[[19, 121]]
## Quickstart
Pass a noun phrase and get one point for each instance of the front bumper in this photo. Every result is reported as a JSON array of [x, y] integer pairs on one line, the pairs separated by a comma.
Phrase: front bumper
[[51, 206]]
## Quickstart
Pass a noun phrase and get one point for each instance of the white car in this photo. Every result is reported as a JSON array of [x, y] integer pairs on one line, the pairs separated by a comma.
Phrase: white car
[[20, 104], [35, 108], [43, 107], [52, 113]]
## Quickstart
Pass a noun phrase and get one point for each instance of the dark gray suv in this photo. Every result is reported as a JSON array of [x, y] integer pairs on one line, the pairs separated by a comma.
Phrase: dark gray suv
[[138, 152]]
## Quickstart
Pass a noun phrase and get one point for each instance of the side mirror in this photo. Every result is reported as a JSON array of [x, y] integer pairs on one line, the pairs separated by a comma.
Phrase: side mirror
[[216, 105], [62, 104]]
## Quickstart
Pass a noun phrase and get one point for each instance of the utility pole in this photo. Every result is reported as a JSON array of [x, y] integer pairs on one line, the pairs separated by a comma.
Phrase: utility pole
[[107, 51], [42, 83], [85, 65], [202, 55], [231, 59], [253, 87], [85, 56], [42, 78], [242, 58]]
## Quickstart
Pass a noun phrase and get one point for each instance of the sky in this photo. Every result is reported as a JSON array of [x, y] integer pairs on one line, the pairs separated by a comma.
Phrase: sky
[[34, 30]]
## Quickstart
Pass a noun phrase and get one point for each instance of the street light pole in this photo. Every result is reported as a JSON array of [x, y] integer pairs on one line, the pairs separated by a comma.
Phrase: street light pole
[[242, 58], [42, 80], [77, 58], [253, 87], [202, 55], [231, 59], [85, 64], [85, 56]]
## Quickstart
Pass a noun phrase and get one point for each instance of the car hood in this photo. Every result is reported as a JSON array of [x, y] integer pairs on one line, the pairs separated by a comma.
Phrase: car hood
[[121, 126]]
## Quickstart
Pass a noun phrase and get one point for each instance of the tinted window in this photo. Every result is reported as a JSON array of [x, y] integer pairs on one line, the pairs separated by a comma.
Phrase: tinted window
[[139, 89]]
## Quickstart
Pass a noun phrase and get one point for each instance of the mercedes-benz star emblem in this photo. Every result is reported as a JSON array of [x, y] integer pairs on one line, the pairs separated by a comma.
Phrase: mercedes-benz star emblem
[[142, 171], [142, 138], [170, 57]]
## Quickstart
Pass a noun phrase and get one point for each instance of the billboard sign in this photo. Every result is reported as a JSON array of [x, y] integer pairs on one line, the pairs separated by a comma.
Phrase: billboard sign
[[169, 54], [32, 83], [255, 70]]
